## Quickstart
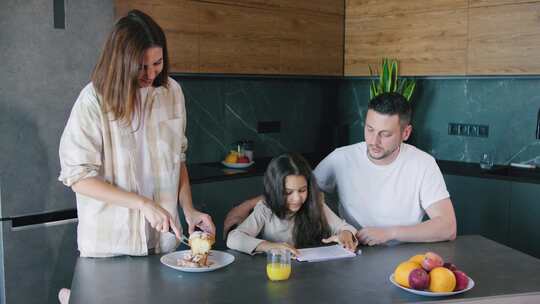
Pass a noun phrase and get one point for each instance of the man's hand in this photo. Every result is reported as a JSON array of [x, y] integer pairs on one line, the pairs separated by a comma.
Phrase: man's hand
[[374, 236], [201, 220], [345, 238]]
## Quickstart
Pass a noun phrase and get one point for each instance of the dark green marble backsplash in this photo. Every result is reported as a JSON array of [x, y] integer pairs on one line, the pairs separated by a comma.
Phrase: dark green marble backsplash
[[508, 105], [222, 110], [317, 114]]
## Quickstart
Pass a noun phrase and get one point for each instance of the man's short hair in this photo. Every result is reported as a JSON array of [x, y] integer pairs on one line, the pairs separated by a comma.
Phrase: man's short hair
[[392, 104]]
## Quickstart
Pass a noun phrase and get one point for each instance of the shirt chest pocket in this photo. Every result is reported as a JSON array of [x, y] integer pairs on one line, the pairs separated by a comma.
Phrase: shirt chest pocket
[[172, 142]]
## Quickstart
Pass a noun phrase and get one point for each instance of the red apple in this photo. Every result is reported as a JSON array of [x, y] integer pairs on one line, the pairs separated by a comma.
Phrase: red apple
[[243, 160], [432, 260], [419, 279], [450, 266], [462, 280]]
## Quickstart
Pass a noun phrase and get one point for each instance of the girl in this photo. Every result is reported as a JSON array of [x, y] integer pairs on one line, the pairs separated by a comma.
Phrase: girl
[[292, 214]]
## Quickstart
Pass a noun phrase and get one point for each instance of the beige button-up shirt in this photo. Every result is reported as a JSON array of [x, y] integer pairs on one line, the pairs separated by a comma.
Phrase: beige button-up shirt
[[95, 145], [273, 229]]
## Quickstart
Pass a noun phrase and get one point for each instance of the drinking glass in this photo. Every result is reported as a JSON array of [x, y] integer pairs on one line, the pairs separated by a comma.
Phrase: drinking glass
[[278, 264], [486, 161]]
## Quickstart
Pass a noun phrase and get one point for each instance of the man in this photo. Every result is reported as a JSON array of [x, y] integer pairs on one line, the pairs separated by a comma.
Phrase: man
[[385, 186]]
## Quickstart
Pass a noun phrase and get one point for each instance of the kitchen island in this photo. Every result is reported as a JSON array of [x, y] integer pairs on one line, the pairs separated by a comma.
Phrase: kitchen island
[[501, 275]]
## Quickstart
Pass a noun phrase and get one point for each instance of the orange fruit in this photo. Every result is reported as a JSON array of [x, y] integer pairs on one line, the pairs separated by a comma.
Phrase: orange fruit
[[441, 280], [401, 274], [419, 258], [231, 158]]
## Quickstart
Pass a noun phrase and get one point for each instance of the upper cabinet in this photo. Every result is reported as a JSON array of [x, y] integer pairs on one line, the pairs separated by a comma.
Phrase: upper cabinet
[[297, 37], [428, 37], [504, 39], [444, 37]]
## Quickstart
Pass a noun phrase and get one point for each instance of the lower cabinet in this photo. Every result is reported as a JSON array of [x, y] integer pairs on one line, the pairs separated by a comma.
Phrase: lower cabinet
[[524, 232], [217, 198], [507, 212], [482, 206]]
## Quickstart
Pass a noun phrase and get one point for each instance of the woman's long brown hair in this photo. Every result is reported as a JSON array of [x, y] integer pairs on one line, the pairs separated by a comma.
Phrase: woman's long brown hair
[[115, 76]]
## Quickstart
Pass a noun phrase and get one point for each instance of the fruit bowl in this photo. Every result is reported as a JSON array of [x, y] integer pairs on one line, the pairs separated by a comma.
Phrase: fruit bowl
[[237, 165], [470, 285]]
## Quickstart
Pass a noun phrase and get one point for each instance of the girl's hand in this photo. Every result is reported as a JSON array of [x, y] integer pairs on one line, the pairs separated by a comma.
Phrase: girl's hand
[[265, 246], [201, 220], [159, 218], [345, 238]]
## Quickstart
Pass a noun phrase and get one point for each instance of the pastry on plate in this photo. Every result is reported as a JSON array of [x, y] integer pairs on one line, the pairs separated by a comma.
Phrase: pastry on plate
[[200, 243]]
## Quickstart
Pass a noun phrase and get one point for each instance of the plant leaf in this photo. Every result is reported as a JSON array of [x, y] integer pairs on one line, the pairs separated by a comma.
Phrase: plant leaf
[[383, 74], [400, 86], [409, 89], [393, 76], [372, 90]]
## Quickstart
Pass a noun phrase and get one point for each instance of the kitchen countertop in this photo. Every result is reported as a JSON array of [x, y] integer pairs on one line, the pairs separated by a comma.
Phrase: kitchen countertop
[[216, 171], [497, 172], [501, 274], [212, 172]]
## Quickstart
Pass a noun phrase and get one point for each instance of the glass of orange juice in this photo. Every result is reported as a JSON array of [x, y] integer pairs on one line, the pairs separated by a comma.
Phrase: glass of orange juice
[[278, 264]]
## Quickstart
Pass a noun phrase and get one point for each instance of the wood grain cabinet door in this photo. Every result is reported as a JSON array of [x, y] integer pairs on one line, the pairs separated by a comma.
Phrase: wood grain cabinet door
[[294, 37]]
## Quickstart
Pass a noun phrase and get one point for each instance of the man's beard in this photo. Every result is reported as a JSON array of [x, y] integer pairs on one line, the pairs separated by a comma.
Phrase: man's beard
[[384, 155]]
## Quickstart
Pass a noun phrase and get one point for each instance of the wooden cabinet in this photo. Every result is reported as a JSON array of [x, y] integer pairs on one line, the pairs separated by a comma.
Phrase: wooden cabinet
[[425, 41], [524, 230], [249, 36], [318, 6], [482, 206], [310, 44], [180, 21], [446, 37], [481, 3], [238, 39], [504, 39], [217, 198]]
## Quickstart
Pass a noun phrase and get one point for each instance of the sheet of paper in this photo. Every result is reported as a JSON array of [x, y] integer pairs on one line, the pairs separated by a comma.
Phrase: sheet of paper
[[324, 253]]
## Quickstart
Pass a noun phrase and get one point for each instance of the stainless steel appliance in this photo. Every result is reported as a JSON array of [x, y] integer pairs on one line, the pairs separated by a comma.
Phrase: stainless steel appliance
[[48, 50]]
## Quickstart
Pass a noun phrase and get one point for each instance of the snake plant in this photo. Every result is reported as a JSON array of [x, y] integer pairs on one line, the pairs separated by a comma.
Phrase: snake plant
[[388, 81]]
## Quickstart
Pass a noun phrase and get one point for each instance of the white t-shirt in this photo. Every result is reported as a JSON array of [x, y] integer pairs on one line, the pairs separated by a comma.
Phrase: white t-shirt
[[373, 195]]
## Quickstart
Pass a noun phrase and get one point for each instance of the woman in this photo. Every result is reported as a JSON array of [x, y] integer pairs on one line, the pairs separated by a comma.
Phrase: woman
[[123, 149], [292, 214]]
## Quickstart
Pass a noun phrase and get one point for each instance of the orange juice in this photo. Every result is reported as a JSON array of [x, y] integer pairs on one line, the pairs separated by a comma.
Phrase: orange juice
[[278, 271]]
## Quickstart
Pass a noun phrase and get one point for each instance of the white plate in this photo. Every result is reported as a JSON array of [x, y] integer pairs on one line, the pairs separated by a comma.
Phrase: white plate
[[218, 258], [237, 165], [433, 294]]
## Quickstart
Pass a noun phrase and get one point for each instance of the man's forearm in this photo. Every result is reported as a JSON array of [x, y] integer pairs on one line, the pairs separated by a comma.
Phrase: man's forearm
[[250, 204], [432, 230]]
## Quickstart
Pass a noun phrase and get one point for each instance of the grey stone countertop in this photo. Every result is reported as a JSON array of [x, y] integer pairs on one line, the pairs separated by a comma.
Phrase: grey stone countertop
[[212, 172], [500, 274]]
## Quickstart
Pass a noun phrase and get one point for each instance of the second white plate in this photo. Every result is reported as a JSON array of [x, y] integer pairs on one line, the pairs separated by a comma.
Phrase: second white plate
[[432, 294], [237, 165], [218, 258]]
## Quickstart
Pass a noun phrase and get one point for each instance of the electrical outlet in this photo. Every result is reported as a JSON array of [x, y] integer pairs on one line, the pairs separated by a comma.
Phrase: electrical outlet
[[472, 130], [269, 127], [453, 128], [464, 130], [483, 131]]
